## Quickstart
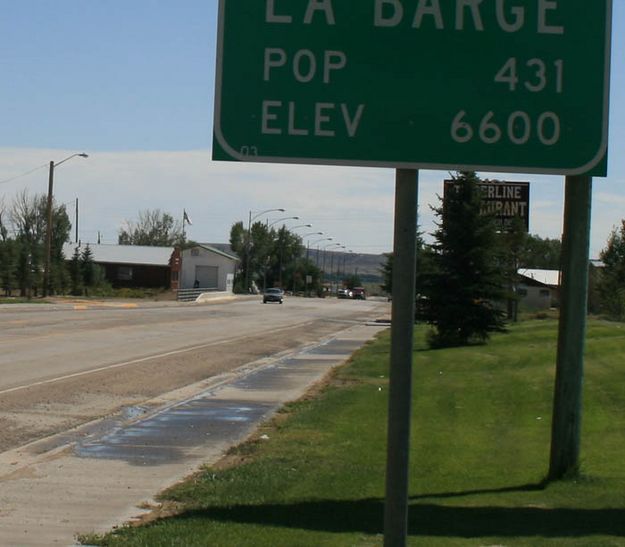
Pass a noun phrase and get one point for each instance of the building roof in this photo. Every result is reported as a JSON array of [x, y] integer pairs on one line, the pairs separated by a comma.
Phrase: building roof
[[124, 254], [220, 251], [545, 277]]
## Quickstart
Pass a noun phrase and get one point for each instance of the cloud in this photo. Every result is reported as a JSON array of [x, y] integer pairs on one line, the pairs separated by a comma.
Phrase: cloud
[[354, 206]]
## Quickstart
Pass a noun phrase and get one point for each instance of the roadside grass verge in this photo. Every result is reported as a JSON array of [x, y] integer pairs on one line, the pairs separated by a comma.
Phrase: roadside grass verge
[[479, 455]]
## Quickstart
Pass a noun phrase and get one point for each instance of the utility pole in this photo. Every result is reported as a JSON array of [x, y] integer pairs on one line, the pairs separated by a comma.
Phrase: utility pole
[[76, 220], [46, 268]]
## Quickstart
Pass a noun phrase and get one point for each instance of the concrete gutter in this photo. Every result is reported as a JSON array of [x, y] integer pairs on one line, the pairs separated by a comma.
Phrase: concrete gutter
[[216, 296], [101, 475]]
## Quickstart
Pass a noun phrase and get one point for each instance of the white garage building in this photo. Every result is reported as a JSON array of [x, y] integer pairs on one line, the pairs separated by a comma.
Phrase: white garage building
[[206, 267]]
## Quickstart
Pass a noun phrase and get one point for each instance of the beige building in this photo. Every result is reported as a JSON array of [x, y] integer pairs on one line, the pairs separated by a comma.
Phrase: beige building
[[208, 268], [538, 289]]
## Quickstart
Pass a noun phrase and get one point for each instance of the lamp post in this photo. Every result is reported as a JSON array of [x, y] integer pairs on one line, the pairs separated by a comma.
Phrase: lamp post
[[344, 261], [282, 230], [295, 258], [46, 268], [308, 242], [308, 250], [317, 242], [269, 225], [336, 275], [249, 237], [323, 270], [300, 226]]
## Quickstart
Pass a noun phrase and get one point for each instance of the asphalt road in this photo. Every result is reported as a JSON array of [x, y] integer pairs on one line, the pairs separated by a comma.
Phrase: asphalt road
[[65, 365]]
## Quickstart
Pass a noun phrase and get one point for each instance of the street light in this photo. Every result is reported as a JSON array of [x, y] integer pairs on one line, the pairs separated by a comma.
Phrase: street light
[[338, 263], [300, 226], [46, 269], [312, 234], [249, 236], [281, 220], [323, 269], [292, 229], [331, 261], [315, 242]]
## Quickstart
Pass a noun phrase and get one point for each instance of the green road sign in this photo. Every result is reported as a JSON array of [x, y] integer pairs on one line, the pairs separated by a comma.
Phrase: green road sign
[[488, 85]]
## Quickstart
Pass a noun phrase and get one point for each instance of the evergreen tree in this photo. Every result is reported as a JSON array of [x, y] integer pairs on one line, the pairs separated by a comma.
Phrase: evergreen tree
[[87, 269], [239, 245], [61, 229], [8, 265], [387, 274], [75, 273], [466, 287], [425, 268]]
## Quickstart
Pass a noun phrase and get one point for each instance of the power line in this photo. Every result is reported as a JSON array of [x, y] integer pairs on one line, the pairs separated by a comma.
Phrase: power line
[[23, 174]]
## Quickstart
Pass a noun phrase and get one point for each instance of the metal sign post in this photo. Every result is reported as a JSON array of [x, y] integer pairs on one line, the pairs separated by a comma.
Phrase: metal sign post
[[567, 405], [400, 381]]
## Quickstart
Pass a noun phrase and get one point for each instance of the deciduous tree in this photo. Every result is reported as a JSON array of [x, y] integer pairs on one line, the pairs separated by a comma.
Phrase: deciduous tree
[[611, 283], [154, 228]]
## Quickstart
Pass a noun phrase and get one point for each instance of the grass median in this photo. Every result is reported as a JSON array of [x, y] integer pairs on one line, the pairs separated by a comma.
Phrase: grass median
[[314, 475]]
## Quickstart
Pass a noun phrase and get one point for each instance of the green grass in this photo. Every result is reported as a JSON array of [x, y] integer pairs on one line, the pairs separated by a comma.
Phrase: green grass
[[479, 454]]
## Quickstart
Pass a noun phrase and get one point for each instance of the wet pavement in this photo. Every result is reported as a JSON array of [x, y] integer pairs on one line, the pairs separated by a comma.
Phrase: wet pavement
[[165, 436], [96, 478]]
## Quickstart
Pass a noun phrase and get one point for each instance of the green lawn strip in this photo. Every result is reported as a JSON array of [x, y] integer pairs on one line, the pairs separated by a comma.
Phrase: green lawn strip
[[479, 453]]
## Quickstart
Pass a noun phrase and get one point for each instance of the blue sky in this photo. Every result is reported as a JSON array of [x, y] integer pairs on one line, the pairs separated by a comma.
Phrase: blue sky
[[107, 74], [131, 83]]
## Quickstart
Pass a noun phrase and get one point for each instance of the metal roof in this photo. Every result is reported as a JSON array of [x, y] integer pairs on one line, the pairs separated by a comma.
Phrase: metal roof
[[221, 252], [123, 254], [546, 277]]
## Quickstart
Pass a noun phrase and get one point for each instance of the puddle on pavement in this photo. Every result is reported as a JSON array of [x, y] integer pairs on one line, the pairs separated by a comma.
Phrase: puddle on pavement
[[170, 435], [167, 436]]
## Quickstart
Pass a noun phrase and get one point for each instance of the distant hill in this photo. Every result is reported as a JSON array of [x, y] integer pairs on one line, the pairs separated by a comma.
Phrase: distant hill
[[367, 266]]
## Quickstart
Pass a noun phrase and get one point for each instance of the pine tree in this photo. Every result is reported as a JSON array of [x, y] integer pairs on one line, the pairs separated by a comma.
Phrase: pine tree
[[466, 286], [75, 272], [87, 269]]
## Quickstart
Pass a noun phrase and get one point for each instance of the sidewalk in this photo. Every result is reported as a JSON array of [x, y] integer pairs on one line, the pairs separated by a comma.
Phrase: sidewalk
[[99, 476]]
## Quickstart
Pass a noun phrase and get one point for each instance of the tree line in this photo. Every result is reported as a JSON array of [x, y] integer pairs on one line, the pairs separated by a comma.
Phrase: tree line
[[23, 225], [466, 279], [272, 257]]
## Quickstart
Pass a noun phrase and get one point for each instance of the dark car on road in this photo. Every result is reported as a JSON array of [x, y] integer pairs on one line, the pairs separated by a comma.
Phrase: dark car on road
[[273, 295], [358, 293]]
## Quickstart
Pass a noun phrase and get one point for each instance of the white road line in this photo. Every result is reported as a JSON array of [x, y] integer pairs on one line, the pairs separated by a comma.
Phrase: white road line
[[140, 360]]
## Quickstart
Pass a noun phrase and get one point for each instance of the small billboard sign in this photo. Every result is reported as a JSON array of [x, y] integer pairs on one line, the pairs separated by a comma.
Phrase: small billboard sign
[[504, 200]]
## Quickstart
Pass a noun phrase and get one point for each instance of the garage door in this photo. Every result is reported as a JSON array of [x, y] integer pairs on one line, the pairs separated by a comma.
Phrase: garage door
[[207, 276]]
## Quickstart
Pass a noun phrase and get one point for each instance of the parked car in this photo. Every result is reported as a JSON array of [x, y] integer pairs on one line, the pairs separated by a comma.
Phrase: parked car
[[344, 293], [358, 293], [273, 295]]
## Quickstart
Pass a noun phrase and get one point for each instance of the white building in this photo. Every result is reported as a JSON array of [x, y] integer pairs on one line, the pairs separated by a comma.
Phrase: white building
[[538, 289], [202, 267], [208, 268]]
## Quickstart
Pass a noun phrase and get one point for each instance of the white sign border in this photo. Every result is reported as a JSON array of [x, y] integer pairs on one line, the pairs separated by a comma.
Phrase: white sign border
[[237, 156]]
